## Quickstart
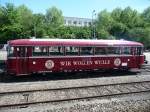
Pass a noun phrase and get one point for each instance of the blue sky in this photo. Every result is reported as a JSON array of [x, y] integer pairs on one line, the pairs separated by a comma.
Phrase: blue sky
[[79, 8]]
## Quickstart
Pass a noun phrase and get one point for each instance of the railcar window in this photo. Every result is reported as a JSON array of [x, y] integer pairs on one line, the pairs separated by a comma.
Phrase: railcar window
[[56, 50], [136, 51], [40, 51], [21, 51], [86, 50], [140, 50], [100, 50], [117, 50], [71, 50], [126, 50], [113, 50], [10, 51]]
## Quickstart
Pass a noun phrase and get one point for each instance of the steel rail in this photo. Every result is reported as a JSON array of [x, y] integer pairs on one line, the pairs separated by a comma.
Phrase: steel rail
[[75, 87], [79, 98], [71, 99]]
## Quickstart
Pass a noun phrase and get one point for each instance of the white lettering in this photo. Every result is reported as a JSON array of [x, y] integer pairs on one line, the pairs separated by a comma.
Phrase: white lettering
[[76, 63], [82, 62], [62, 63], [99, 62], [65, 63]]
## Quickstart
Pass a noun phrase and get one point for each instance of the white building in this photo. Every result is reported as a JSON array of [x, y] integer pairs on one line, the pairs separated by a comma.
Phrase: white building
[[74, 21]]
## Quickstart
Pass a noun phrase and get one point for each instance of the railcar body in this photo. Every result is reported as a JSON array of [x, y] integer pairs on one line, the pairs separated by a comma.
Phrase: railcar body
[[27, 56]]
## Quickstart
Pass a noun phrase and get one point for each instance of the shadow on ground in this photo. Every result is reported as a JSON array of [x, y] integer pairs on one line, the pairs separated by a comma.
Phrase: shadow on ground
[[66, 76]]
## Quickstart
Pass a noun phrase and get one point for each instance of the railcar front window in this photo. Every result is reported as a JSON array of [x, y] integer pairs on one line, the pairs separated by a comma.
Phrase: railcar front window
[[71, 50], [10, 51], [139, 51]]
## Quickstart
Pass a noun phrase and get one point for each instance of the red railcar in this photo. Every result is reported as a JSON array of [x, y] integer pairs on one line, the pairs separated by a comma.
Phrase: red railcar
[[27, 56]]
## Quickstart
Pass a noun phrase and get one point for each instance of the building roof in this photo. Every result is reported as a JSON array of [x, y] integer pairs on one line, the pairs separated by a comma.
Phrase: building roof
[[77, 18], [73, 42]]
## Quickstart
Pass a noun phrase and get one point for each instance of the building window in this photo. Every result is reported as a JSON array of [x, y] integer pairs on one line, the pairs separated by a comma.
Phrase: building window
[[80, 23], [89, 23], [85, 23], [69, 22], [75, 22]]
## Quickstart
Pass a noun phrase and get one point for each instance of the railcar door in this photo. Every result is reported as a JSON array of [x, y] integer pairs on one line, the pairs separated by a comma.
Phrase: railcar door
[[23, 61], [138, 52]]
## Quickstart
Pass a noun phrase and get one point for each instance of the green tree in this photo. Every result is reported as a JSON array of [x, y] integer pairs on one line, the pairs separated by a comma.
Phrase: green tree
[[141, 35], [118, 28], [103, 34], [53, 20], [116, 14], [8, 20], [20, 22], [104, 20], [25, 20], [131, 18], [104, 24], [38, 29], [146, 16]]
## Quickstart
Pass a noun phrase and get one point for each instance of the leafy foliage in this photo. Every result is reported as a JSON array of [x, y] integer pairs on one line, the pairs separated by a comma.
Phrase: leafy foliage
[[20, 22], [125, 24]]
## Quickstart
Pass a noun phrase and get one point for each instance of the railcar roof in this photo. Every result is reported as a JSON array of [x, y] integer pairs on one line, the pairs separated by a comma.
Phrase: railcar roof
[[72, 42]]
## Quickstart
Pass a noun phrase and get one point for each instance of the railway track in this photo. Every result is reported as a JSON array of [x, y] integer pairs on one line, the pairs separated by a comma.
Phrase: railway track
[[15, 99], [145, 68]]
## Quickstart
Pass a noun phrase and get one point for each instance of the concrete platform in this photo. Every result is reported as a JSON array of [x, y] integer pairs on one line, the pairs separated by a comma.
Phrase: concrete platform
[[23, 86]]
